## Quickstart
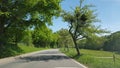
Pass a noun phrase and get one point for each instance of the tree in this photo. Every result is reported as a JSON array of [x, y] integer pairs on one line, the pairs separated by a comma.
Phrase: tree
[[81, 23], [54, 40], [94, 43], [27, 37], [64, 39], [42, 36], [18, 15], [112, 42]]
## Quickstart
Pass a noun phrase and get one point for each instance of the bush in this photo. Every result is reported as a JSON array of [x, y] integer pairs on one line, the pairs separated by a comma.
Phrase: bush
[[9, 50]]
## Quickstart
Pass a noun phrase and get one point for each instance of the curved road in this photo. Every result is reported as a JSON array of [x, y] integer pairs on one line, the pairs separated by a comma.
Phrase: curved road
[[44, 59]]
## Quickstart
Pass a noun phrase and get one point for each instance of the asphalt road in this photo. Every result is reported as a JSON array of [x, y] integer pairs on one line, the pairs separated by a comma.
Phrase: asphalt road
[[44, 59]]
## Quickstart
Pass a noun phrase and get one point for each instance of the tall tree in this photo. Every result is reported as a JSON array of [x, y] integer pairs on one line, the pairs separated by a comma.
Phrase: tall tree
[[17, 15], [81, 23]]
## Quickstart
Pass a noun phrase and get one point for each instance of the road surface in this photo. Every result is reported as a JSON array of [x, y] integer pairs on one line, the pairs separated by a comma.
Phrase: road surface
[[45, 59]]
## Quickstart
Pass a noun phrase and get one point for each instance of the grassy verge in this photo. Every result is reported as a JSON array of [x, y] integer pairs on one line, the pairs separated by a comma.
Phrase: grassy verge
[[27, 49], [13, 50], [95, 59]]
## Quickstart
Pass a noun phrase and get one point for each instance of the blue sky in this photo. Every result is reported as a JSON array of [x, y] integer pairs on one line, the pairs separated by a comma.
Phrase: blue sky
[[108, 12]]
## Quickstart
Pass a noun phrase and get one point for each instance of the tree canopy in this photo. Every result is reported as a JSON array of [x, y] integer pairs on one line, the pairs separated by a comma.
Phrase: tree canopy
[[112, 42], [81, 23], [64, 38], [17, 15]]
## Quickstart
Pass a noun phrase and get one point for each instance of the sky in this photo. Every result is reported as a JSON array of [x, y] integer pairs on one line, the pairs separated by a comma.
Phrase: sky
[[108, 11]]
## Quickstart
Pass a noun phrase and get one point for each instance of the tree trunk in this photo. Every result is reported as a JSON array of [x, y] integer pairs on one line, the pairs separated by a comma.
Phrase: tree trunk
[[2, 37], [76, 46], [74, 39], [1, 33]]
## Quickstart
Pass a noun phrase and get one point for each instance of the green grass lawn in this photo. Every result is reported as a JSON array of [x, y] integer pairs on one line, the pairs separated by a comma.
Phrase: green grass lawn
[[95, 58]]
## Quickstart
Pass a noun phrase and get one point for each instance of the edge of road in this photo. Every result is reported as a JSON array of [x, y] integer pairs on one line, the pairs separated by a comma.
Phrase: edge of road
[[76, 62], [79, 63], [13, 58]]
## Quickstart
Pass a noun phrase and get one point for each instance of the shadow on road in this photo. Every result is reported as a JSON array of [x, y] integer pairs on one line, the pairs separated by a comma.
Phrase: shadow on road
[[43, 58]]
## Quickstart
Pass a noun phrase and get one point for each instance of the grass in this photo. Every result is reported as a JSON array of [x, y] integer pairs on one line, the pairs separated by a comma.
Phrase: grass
[[27, 49], [95, 58], [13, 50]]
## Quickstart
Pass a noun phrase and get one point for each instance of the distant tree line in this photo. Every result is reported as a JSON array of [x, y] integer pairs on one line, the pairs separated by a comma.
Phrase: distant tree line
[[113, 42]]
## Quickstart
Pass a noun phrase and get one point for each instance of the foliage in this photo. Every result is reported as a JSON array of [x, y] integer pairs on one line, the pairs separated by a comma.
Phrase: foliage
[[81, 23], [13, 50], [42, 36], [95, 43], [9, 50], [81, 43], [64, 39], [18, 15], [27, 37], [54, 40], [113, 41]]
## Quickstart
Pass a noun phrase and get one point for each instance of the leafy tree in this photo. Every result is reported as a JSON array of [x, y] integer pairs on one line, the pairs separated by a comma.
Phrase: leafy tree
[[42, 36], [81, 23], [54, 40], [64, 39], [95, 43], [81, 43], [27, 37], [17, 15], [113, 41]]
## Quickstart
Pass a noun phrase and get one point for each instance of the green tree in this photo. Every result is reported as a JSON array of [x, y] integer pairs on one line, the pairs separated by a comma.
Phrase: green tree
[[94, 43], [113, 41], [18, 15], [81, 23], [64, 39], [54, 40], [27, 37], [42, 36]]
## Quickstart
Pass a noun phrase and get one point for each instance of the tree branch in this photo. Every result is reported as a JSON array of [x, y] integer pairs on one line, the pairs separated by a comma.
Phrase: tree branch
[[71, 26], [81, 37]]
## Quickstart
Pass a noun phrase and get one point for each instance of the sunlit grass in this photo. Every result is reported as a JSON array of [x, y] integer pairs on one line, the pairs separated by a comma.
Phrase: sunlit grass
[[95, 58], [27, 49]]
